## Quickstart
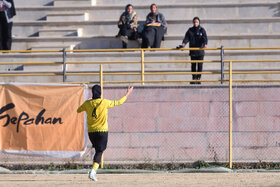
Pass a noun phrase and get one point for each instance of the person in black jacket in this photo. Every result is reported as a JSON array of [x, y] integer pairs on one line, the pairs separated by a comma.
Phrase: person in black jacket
[[197, 38], [155, 28], [7, 12]]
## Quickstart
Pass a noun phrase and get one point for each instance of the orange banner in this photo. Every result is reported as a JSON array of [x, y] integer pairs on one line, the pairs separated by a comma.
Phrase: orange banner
[[42, 120]]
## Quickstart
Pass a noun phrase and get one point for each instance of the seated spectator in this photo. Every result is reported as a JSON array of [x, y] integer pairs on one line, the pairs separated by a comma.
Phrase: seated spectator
[[128, 25], [7, 12], [155, 29]]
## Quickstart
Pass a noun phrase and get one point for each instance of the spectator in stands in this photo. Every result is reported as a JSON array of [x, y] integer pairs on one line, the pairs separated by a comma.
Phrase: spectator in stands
[[128, 25], [155, 29], [197, 38], [7, 12]]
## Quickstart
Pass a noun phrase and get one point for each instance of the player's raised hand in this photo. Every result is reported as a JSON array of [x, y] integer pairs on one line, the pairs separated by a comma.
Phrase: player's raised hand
[[129, 90]]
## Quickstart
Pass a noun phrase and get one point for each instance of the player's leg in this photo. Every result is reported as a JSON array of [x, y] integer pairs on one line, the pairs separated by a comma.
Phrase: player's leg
[[99, 141]]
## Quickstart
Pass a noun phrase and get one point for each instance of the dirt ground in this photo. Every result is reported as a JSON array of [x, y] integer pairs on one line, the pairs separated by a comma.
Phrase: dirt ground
[[143, 180]]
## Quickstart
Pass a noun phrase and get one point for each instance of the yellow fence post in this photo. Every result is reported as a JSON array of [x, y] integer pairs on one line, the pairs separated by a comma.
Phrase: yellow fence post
[[142, 67], [101, 80], [230, 114], [101, 85]]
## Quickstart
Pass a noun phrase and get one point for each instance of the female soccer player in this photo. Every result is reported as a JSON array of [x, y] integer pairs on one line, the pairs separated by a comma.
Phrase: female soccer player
[[97, 114]]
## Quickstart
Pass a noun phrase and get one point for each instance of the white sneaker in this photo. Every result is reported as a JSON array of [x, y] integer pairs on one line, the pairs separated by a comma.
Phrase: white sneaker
[[92, 175]]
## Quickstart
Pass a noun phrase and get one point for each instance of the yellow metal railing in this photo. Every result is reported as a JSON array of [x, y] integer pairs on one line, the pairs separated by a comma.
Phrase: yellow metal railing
[[142, 62]]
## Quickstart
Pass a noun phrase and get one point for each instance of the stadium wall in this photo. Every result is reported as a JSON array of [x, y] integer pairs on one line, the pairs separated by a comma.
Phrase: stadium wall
[[191, 123]]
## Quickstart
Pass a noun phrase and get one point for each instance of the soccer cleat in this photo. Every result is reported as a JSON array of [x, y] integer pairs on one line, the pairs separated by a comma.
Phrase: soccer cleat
[[92, 175]]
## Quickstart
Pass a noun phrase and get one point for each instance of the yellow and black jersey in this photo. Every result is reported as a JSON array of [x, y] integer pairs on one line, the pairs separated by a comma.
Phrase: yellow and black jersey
[[97, 113]]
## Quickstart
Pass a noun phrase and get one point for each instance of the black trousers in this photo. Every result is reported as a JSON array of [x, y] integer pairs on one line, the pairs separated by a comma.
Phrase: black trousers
[[5, 33], [152, 37], [130, 33], [99, 141], [197, 67]]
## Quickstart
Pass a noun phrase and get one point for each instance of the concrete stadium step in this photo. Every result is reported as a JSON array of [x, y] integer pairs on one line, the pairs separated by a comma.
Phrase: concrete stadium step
[[82, 16], [32, 79], [74, 2], [148, 2], [51, 47], [170, 11], [20, 3], [242, 40], [175, 27], [60, 32]]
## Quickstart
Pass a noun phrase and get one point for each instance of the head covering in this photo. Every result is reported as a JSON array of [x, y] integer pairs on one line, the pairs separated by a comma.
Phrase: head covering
[[96, 92], [196, 18], [151, 6], [128, 16], [126, 7], [198, 27], [151, 15]]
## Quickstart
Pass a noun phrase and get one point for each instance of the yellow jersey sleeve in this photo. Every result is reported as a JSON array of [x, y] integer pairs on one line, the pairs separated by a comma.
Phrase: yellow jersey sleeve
[[113, 103], [82, 108]]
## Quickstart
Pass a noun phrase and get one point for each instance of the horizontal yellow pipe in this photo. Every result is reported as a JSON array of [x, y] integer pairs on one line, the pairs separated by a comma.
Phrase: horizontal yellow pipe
[[253, 72], [138, 73], [102, 62], [131, 62], [256, 80], [146, 62], [251, 48], [183, 61], [146, 73], [251, 61], [182, 81], [159, 81], [75, 74], [180, 73], [139, 49], [128, 73]]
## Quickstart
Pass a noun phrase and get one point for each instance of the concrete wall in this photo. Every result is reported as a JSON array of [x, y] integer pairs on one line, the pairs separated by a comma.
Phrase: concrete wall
[[186, 124], [189, 124]]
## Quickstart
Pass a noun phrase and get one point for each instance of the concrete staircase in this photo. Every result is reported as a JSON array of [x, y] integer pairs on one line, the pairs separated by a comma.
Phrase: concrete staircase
[[91, 24]]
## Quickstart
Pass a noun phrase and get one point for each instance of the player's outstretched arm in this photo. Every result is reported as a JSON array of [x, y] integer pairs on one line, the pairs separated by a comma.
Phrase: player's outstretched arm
[[122, 100], [129, 90]]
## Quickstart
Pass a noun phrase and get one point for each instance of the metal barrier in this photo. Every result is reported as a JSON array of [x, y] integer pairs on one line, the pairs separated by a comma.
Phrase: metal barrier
[[142, 71]]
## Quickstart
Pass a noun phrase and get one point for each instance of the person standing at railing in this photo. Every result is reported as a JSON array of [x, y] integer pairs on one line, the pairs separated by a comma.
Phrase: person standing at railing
[[7, 12], [128, 25], [97, 115], [197, 38], [155, 29]]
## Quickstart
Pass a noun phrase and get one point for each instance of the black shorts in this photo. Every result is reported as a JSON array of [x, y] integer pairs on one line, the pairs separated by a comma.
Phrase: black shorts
[[99, 140]]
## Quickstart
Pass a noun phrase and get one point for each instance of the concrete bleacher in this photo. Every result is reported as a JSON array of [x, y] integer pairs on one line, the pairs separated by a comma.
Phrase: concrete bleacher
[[91, 24]]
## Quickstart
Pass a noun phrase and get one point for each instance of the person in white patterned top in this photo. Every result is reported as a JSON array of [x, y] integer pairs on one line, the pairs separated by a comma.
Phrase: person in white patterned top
[[7, 12]]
